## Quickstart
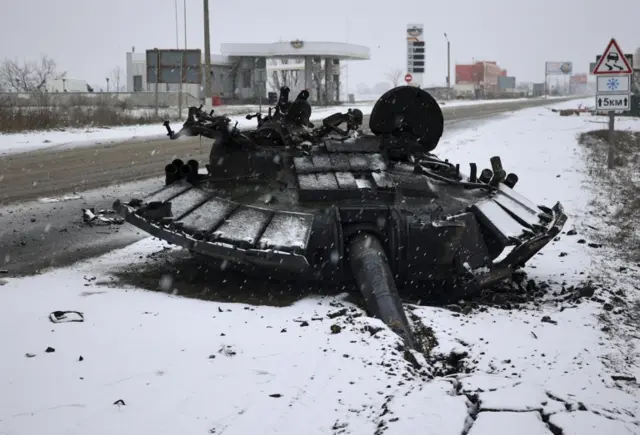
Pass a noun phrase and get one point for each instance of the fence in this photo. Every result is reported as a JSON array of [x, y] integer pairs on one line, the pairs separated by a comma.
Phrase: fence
[[122, 99]]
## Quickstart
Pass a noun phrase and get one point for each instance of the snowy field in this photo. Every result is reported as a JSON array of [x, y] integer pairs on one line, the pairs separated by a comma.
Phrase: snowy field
[[146, 362], [21, 142]]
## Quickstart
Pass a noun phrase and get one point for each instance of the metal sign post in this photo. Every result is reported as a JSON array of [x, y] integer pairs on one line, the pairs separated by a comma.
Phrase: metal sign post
[[415, 54], [556, 69], [181, 82], [157, 96], [613, 89]]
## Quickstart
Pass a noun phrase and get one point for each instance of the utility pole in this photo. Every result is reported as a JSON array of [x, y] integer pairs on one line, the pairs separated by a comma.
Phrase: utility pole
[[175, 6], [206, 77], [448, 66], [346, 88], [157, 97], [184, 54]]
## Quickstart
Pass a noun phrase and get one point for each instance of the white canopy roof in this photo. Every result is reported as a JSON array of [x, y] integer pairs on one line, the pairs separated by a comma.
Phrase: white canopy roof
[[298, 48]]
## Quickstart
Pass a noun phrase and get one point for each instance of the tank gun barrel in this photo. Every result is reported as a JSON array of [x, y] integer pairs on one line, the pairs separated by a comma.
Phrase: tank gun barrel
[[376, 282]]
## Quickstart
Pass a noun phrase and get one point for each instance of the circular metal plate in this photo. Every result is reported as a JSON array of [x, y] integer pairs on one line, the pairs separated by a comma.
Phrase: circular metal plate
[[411, 110]]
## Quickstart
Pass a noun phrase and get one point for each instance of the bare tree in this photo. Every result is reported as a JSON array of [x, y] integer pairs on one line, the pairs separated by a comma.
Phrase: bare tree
[[394, 76], [283, 77], [234, 78], [30, 76], [116, 79], [318, 77]]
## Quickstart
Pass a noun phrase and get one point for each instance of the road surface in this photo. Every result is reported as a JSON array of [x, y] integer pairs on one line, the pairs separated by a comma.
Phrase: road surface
[[50, 232], [49, 172]]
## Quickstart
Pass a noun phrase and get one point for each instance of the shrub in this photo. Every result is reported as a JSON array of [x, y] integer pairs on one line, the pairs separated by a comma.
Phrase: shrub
[[80, 112]]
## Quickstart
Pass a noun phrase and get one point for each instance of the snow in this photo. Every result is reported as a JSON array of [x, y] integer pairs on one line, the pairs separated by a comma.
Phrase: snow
[[588, 423], [89, 136], [195, 366], [23, 142], [182, 365], [528, 363], [508, 423], [504, 223], [518, 398], [455, 103], [287, 230], [59, 198]]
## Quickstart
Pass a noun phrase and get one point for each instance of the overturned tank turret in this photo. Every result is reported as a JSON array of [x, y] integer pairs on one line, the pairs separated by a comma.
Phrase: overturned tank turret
[[332, 203]]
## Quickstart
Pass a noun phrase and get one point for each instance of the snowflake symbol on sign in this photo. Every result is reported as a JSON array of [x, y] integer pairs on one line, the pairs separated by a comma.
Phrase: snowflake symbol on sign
[[613, 84]]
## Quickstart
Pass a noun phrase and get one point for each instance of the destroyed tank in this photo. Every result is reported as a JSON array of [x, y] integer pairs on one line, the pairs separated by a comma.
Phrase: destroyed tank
[[334, 204]]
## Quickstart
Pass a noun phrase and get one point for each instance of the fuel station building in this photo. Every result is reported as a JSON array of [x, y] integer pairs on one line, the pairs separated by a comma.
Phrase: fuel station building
[[244, 72]]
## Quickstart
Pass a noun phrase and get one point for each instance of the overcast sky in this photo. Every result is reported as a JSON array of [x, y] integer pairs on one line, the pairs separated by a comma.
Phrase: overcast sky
[[88, 38]]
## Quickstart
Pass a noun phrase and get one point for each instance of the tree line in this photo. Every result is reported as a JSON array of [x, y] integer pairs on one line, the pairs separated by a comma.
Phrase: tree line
[[30, 76]]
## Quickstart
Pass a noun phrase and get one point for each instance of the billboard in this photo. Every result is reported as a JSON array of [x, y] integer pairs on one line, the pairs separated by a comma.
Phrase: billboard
[[558, 68], [579, 79], [174, 66], [415, 53], [505, 82]]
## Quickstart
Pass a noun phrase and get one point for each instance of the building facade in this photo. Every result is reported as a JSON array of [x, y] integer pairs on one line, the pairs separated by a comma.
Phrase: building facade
[[483, 75], [245, 72]]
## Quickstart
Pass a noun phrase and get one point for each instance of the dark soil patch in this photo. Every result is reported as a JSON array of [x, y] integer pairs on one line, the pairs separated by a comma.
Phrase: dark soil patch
[[620, 186], [176, 272]]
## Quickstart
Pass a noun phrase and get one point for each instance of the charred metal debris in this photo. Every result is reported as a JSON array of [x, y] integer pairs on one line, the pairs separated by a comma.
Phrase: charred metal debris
[[332, 203]]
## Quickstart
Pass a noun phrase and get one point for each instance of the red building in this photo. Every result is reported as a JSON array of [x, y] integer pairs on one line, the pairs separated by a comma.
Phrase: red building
[[465, 74], [484, 74]]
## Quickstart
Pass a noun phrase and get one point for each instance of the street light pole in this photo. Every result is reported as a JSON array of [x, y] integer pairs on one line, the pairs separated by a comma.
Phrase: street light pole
[[206, 77], [175, 7], [448, 67], [184, 53]]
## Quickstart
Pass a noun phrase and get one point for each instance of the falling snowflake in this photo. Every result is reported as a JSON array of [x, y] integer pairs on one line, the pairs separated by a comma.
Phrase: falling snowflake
[[613, 84]]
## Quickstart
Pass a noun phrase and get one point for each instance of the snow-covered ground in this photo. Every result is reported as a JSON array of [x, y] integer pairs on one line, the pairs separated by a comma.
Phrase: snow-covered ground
[[155, 362], [22, 142]]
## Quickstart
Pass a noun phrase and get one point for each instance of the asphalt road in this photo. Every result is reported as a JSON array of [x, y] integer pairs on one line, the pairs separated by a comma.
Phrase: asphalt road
[[41, 173], [48, 230]]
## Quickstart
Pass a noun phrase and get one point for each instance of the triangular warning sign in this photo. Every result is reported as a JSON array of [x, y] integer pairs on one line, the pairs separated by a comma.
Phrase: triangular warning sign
[[612, 61]]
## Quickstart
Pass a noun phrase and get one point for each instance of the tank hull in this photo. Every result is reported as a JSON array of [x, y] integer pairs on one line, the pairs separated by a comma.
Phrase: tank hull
[[461, 247], [335, 205]]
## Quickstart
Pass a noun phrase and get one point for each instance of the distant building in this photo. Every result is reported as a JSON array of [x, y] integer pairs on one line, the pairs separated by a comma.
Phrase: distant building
[[245, 71], [67, 85], [483, 75]]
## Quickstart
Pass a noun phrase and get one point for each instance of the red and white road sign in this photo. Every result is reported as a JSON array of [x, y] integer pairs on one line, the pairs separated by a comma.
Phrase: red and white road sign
[[613, 61], [408, 77]]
